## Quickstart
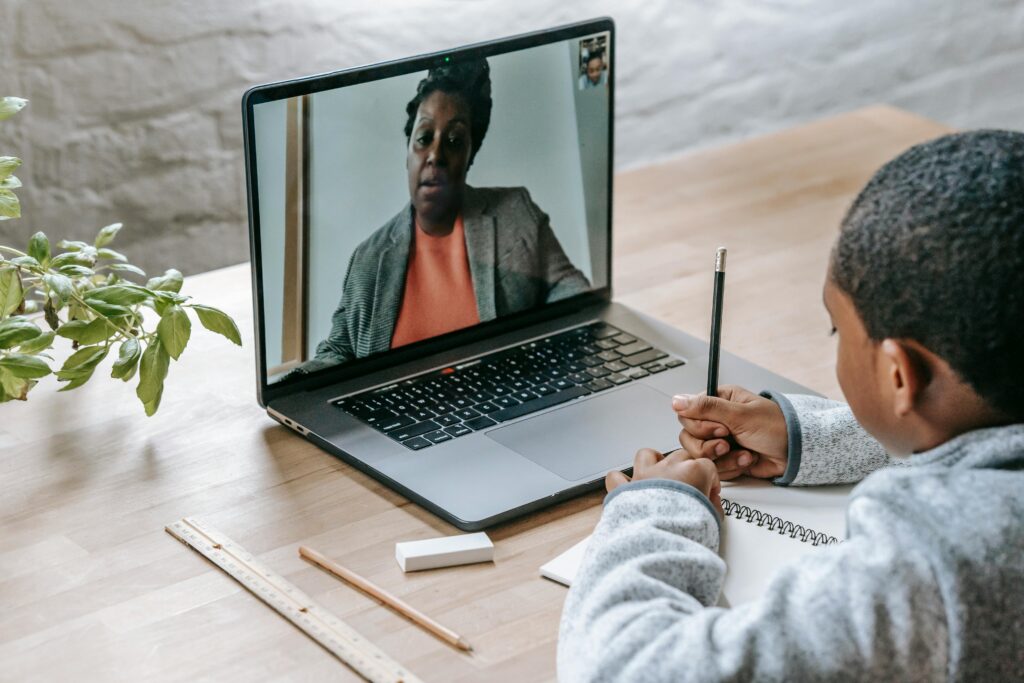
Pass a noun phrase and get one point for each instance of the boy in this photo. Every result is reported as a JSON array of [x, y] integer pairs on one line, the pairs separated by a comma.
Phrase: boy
[[926, 291]]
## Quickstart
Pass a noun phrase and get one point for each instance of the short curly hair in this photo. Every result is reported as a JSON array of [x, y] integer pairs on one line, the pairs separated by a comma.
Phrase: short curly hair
[[469, 80], [933, 250]]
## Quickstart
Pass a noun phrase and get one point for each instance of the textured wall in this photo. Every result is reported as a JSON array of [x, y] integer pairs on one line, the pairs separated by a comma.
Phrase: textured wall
[[134, 112]]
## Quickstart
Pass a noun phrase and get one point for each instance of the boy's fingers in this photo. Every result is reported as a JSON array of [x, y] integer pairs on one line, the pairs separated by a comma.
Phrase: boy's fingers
[[703, 407], [703, 429], [734, 460], [698, 448], [645, 457], [691, 445], [728, 475], [716, 497], [614, 479], [705, 475]]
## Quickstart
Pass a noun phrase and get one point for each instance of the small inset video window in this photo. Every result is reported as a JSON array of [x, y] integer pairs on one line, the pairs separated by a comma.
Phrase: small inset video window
[[594, 62]]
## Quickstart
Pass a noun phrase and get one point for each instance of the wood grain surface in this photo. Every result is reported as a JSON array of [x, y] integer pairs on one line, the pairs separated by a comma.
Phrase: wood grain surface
[[91, 588]]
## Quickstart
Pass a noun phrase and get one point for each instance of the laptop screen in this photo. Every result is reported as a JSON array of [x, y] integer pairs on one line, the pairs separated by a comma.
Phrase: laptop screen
[[398, 209]]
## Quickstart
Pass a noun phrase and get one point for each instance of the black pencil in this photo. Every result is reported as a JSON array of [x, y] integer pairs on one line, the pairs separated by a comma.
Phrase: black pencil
[[716, 322]]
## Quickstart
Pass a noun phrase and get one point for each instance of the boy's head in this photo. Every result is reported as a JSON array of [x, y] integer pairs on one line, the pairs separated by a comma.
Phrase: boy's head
[[926, 290]]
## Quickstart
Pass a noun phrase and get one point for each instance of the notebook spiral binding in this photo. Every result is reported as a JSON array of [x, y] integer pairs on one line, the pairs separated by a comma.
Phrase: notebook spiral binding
[[772, 523]]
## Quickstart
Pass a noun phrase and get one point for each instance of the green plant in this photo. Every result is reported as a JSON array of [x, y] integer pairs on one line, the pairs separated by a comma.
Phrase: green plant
[[101, 308]]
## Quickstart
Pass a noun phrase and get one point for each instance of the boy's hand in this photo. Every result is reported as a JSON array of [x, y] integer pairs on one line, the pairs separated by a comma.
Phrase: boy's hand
[[744, 433], [650, 464]]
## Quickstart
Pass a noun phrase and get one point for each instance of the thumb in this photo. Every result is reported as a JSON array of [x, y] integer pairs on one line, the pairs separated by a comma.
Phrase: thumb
[[704, 407]]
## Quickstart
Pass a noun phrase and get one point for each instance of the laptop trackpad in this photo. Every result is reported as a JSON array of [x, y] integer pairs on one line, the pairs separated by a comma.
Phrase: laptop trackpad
[[586, 439]]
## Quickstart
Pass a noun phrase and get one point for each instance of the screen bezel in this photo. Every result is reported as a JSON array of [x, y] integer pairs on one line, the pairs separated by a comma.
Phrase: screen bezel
[[313, 84]]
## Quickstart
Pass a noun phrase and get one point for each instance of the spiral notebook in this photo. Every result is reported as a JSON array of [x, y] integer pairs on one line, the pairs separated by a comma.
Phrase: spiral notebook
[[766, 527]]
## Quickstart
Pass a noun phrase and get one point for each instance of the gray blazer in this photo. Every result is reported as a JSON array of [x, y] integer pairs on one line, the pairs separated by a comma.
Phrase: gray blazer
[[515, 261]]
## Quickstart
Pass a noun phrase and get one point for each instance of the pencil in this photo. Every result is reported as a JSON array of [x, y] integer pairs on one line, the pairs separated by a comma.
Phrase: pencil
[[715, 347], [388, 599]]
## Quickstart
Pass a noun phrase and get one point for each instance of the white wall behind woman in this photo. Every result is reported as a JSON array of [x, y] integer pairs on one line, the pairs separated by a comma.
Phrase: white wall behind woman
[[134, 110]]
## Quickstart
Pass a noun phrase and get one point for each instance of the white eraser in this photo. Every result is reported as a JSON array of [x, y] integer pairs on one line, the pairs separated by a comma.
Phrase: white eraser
[[447, 551]]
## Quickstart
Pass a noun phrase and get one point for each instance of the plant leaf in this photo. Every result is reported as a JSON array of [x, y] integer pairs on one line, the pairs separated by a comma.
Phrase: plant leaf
[[106, 235], [24, 365], [9, 106], [11, 292], [60, 285], [4, 396], [170, 281], [39, 247], [174, 330], [127, 360], [218, 321], [77, 381], [81, 364], [8, 165], [87, 332], [85, 356], [109, 310], [26, 261], [11, 182], [111, 254], [9, 205], [152, 372], [75, 270], [13, 388], [37, 344], [82, 257], [72, 245], [50, 314], [125, 294], [161, 300], [16, 330], [170, 297], [127, 267]]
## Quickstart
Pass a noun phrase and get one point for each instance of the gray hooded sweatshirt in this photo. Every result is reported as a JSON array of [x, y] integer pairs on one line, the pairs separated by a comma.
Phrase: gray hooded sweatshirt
[[927, 586]]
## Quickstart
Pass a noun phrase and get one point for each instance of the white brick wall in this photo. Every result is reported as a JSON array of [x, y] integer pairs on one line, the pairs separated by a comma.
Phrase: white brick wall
[[134, 111]]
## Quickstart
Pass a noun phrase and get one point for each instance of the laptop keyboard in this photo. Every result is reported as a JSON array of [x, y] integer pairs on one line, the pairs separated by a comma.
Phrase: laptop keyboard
[[445, 404]]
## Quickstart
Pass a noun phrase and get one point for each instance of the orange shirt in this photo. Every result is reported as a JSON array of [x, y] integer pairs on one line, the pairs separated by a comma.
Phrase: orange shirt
[[439, 294]]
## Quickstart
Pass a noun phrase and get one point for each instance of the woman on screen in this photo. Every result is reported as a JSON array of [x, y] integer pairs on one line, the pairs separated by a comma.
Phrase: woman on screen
[[455, 255]]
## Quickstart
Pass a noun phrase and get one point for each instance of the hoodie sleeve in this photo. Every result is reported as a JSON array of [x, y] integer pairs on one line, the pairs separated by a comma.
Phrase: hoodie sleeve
[[641, 605], [826, 443]]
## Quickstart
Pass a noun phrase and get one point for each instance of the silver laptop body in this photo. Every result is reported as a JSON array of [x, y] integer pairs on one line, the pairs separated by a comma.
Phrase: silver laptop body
[[331, 376]]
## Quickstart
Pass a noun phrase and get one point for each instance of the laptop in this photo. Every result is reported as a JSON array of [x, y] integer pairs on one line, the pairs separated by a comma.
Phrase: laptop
[[432, 266]]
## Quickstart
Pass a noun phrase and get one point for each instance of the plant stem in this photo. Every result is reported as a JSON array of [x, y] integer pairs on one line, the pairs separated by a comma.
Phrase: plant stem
[[74, 295], [82, 302]]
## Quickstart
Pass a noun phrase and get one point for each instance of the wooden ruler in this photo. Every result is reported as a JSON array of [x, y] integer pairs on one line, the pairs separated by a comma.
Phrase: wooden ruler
[[332, 633]]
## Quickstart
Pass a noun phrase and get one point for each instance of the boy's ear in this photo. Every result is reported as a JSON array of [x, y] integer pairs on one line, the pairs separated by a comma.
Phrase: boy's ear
[[907, 372]]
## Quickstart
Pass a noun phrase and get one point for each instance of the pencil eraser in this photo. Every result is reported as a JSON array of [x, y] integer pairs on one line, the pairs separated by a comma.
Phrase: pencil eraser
[[447, 551]]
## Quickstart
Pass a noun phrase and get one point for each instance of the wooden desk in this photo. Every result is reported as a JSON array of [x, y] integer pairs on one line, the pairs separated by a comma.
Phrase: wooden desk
[[126, 601]]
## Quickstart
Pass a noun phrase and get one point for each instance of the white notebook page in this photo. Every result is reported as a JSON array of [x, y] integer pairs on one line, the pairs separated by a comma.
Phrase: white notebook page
[[754, 554]]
